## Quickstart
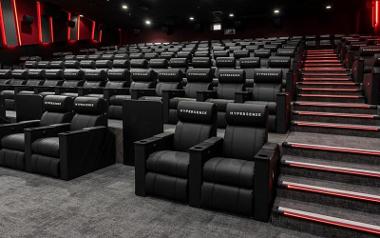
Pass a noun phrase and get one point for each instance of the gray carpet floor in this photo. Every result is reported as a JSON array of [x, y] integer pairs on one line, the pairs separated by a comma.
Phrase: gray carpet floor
[[103, 204]]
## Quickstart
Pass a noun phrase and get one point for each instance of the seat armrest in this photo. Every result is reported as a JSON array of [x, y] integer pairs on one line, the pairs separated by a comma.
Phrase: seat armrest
[[143, 149], [138, 93], [173, 93], [242, 96], [204, 95], [19, 127], [166, 96], [84, 91], [266, 174], [19, 88], [109, 92], [39, 89], [84, 151], [199, 154], [283, 112]]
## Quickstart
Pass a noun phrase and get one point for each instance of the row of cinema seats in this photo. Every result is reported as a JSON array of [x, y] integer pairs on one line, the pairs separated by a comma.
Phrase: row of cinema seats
[[169, 86], [71, 139], [235, 173]]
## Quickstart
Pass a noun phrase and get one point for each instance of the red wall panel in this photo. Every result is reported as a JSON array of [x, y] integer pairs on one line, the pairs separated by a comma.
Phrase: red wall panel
[[29, 33]]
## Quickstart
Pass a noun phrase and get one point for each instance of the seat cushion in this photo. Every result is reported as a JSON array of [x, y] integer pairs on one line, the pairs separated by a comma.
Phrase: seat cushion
[[95, 95], [227, 171], [45, 165], [47, 93], [8, 93], [12, 159], [173, 163], [48, 146], [151, 98], [221, 104], [272, 106], [70, 94], [173, 103], [165, 186], [14, 142], [118, 99], [26, 92]]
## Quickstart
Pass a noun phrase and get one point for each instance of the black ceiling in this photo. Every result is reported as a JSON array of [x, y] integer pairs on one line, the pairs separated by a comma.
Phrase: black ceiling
[[177, 12]]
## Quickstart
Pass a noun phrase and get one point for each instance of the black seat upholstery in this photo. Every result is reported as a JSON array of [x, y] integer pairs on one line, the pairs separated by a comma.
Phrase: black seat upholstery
[[118, 80], [249, 65], [36, 78], [94, 81], [230, 82], [12, 152], [264, 55], [236, 173], [70, 150], [73, 80], [54, 78], [268, 90], [18, 78], [197, 80], [163, 171]]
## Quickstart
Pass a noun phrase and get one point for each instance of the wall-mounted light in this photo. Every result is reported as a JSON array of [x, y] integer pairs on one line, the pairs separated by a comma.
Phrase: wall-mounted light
[[191, 18], [231, 15], [328, 7], [276, 11], [124, 6], [148, 22]]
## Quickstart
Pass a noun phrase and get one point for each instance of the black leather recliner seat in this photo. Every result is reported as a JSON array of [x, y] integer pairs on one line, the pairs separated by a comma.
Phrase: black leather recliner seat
[[12, 138], [73, 78], [73, 149], [94, 81], [162, 162], [268, 90], [36, 78], [230, 82], [249, 65], [197, 80], [236, 173], [18, 78], [54, 78]]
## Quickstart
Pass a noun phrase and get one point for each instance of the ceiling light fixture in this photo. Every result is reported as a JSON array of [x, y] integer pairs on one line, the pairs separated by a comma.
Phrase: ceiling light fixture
[[328, 7], [124, 6], [148, 22], [276, 11], [191, 18], [231, 15]]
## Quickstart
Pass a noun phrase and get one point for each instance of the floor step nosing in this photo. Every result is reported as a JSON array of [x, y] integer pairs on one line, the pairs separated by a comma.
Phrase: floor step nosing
[[333, 114], [330, 220], [336, 126], [331, 104], [330, 95], [331, 168], [333, 149]]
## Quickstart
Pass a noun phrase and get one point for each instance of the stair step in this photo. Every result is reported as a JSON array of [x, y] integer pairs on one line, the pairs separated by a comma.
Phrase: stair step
[[330, 188], [327, 79], [327, 169], [326, 221], [331, 98], [325, 74], [324, 69], [331, 91], [321, 61], [335, 107], [336, 117], [325, 65]]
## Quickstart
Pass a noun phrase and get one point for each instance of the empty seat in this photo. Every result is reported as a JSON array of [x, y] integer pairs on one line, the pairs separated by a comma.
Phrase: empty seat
[[53, 79], [73, 78], [18, 78]]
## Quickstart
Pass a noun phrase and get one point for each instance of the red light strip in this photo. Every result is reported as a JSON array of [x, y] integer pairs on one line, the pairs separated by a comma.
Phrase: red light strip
[[51, 24], [93, 31], [78, 27], [356, 226], [39, 22], [334, 149], [330, 96], [68, 27], [333, 114], [2, 27], [342, 105], [17, 22], [337, 126], [376, 13], [100, 35]]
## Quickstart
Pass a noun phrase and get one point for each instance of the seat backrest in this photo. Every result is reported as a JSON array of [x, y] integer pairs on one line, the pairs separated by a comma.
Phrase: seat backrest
[[230, 82], [246, 131], [103, 64], [139, 63], [71, 64], [367, 54], [87, 64], [201, 62], [19, 76], [56, 64], [30, 64], [249, 65], [73, 77], [5, 75], [178, 63], [94, 78], [197, 122], [89, 112], [58, 109], [120, 64], [118, 78], [197, 80], [264, 55], [143, 78], [168, 79], [158, 64], [53, 77], [94, 57], [267, 84], [36, 77]]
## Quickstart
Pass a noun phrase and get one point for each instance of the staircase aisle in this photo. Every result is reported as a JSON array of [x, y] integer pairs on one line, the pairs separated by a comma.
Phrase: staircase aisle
[[329, 183]]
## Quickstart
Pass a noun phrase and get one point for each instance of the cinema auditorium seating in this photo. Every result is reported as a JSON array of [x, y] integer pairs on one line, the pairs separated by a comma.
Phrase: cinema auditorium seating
[[18, 77], [162, 161], [69, 150], [235, 173], [12, 152]]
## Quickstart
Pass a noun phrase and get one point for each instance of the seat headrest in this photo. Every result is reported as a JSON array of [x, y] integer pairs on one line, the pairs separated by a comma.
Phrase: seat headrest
[[231, 76], [81, 57], [73, 74], [69, 57], [54, 74], [199, 75], [43, 64], [90, 105], [196, 112], [72, 64], [30, 64], [150, 55], [5, 73], [120, 56], [36, 73], [94, 57], [107, 56], [262, 53], [377, 60], [183, 54], [95, 74], [268, 76], [147, 75], [118, 74], [139, 63], [251, 62], [120, 63], [241, 53], [224, 53], [178, 62], [158, 63], [201, 53], [87, 64], [279, 62], [247, 115], [170, 75], [56, 64], [369, 51], [201, 62], [138, 55], [103, 64], [225, 62], [58, 103], [286, 52], [20, 74]]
